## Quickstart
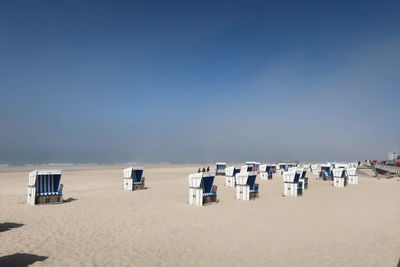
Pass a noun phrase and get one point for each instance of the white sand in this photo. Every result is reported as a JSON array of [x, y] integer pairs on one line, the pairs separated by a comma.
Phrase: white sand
[[354, 226]]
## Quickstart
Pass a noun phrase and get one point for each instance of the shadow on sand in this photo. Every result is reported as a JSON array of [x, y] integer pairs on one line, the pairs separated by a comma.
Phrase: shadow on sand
[[20, 259], [71, 199], [8, 226]]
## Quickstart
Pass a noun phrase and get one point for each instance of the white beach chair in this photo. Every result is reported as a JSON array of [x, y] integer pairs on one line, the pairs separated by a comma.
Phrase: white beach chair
[[230, 173], [339, 177], [44, 187], [201, 188], [246, 188], [265, 172], [326, 172], [133, 179], [315, 169], [291, 184], [352, 175]]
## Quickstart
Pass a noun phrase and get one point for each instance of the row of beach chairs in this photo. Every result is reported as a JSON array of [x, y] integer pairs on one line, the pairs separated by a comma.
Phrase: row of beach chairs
[[44, 186], [243, 179]]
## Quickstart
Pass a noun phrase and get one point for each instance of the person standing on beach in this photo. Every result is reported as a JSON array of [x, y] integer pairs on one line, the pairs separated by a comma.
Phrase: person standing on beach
[[204, 169], [208, 168]]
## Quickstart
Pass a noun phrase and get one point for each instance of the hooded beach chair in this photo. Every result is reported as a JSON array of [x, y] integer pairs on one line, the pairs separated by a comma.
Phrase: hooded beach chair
[[246, 187], [352, 175], [230, 173], [44, 187], [220, 168], [339, 177], [291, 184], [326, 172], [265, 172], [315, 169], [133, 179], [281, 168], [201, 188]]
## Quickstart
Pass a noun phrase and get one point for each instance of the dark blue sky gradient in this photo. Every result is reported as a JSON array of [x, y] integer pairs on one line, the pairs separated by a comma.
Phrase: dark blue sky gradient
[[193, 81]]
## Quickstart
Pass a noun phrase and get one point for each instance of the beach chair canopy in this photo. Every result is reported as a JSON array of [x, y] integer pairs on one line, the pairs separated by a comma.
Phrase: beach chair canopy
[[236, 170], [351, 171], [247, 178], [302, 172], [291, 176], [229, 171], [255, 165], [134, 173], [203, 180], [267, 168], [282, 166], [315, 167], [263, 167], [246, 168], [47, 182], [339, 172]]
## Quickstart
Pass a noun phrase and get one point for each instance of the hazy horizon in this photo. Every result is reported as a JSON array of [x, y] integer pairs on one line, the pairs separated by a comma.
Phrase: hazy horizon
[[184, 81]]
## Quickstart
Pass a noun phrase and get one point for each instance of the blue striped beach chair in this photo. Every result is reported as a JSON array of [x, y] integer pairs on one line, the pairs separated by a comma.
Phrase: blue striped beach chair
[[246, 186], [133, 179], [44, 187], [292, 186], [202, 189]]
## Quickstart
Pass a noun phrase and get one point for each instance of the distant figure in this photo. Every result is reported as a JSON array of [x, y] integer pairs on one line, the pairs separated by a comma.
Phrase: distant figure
[[204, 169], [208, 168], [199, 170]]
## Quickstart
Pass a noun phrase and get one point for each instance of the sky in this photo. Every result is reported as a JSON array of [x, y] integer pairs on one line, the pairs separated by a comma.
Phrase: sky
[[198, 81]]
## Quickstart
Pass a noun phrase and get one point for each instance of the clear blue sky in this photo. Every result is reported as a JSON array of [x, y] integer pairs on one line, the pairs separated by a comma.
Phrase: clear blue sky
[[198, 81]]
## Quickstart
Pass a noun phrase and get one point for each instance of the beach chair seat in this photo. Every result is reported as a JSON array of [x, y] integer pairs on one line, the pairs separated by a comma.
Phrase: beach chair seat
[[133, 179], [44, 187]]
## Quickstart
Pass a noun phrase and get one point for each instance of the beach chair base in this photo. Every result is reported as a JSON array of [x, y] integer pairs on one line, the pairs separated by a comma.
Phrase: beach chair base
[[243, 192], [292, 189], [52, 199], [230, 181], [196, 197], [304, 182], [131, 186], [353, 179], [339, 182], [265, 176]]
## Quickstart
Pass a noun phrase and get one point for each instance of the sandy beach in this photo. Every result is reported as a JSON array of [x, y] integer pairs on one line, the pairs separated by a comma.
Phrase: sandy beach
[[101, 225]]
